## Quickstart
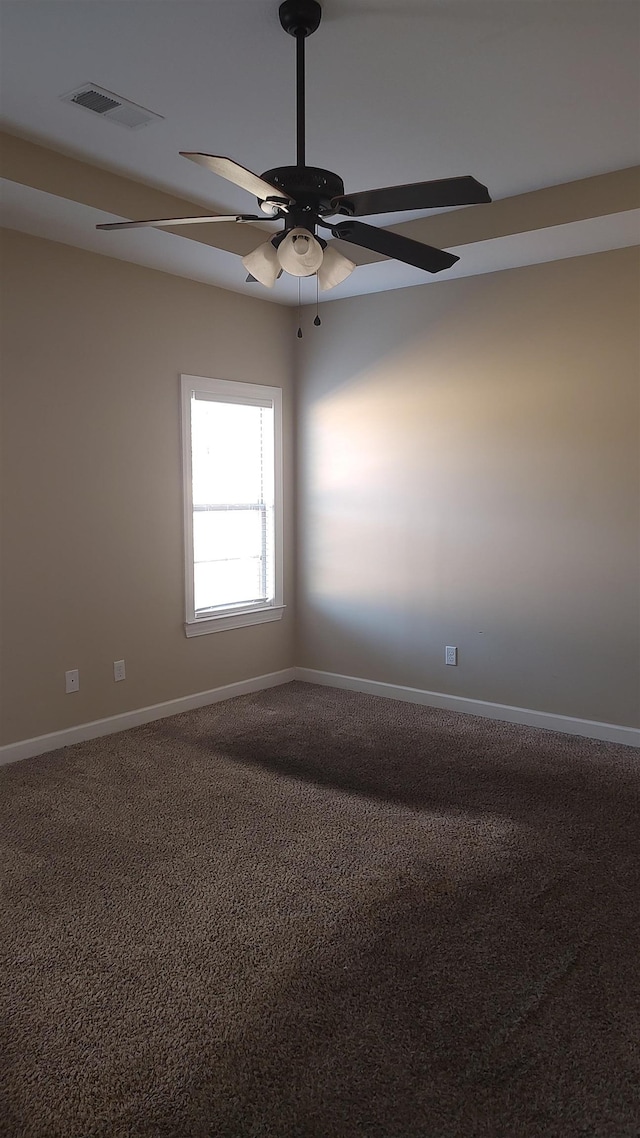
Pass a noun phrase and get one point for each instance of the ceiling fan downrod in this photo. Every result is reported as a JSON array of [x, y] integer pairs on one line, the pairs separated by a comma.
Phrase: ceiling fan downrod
[[300, 18]]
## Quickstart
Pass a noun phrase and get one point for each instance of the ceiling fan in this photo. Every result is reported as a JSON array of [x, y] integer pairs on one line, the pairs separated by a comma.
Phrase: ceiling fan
[[305, 197]]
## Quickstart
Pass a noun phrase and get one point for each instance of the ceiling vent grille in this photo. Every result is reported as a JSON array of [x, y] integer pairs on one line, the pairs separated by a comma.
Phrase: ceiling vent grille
[[110, 106]]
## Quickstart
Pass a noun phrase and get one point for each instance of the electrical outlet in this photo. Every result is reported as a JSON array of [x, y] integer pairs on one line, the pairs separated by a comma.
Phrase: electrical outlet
[[118, 670], [450, 654], [72, 680]]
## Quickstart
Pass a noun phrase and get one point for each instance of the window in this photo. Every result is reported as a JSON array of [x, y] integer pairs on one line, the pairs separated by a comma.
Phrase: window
[[232, 458]]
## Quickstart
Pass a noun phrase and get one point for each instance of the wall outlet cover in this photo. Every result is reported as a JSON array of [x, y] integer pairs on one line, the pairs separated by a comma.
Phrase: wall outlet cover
[[72, 680]]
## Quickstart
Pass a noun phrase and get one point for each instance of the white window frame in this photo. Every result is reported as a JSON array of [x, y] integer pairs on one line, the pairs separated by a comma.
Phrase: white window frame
[[232, 616]]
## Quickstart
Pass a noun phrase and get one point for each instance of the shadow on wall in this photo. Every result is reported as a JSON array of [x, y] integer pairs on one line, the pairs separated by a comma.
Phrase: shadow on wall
[[361, 334], [503, 661]]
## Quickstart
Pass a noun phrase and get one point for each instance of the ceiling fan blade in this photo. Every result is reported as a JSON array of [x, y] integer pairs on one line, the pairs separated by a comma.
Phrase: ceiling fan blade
[[240, 176], [395, 245], [158, 223], [419, 195]]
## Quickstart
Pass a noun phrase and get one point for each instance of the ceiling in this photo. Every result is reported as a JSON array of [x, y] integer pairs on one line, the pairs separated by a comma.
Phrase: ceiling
[[525, 95]]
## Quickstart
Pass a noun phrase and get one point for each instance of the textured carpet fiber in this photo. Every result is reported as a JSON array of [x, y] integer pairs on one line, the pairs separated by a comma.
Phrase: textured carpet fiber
[[308, 913]]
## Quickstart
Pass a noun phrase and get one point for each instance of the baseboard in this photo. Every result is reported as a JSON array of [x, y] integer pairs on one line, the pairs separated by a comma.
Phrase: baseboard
[[592, 729], [27, 748]]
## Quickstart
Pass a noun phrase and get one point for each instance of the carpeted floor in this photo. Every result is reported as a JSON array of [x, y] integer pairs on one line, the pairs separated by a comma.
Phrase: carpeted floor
[[308, 913]]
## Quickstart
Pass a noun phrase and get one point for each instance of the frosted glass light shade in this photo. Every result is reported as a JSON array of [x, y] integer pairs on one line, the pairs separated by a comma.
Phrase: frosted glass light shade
[[300, 254], [263, 264], [334, 269]]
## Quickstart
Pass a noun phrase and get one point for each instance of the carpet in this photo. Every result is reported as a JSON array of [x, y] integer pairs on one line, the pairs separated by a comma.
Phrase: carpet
[[310, 913]]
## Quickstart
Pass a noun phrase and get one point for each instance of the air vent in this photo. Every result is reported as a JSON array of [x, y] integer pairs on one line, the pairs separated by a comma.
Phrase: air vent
[[110, 106], [94, 101]]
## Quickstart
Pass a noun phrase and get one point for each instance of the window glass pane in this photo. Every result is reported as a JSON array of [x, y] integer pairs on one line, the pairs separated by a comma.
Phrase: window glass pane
[[226, 583], [227, 452], [224, 534], [233, 474]]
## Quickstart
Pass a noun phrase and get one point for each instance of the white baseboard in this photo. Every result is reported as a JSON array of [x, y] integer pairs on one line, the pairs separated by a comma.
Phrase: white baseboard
[[592, 729], [27, 748]]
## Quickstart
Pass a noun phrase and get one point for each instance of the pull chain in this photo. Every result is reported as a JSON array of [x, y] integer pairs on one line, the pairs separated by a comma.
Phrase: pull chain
[[299, 316], [317, 320]]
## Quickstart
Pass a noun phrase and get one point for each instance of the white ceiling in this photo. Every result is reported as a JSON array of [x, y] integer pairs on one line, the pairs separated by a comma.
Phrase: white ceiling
[[522, 94]]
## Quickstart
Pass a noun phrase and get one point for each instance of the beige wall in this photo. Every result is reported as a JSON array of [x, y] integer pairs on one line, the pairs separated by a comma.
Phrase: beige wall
[[92, 558], [469, 475]]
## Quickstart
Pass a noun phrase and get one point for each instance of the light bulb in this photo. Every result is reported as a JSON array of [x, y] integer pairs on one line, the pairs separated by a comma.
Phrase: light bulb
[[300, 254]]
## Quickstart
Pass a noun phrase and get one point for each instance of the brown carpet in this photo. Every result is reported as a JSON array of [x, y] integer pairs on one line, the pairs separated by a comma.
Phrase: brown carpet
[[309, 913]]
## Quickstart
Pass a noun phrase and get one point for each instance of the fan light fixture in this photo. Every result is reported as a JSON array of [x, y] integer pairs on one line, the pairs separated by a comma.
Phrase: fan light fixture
[[300, 254], [263, 264], [334, 269], [304, 197]]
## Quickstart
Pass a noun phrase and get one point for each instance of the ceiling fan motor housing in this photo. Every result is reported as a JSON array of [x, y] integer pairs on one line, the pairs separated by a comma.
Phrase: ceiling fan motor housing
[[311, 188]]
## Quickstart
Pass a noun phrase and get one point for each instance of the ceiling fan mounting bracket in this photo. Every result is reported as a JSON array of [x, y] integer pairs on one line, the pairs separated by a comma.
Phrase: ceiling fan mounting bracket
[[300, 17]]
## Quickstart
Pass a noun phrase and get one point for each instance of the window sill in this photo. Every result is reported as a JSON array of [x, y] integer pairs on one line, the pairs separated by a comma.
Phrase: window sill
[[233, 620]]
